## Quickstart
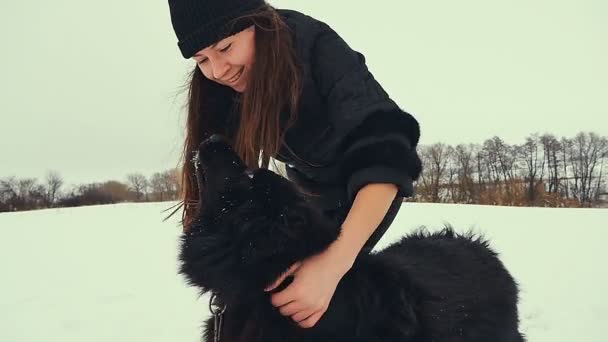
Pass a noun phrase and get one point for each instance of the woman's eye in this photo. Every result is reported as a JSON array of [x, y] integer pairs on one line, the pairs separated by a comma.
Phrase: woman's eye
[[226, 48], [223, 50]]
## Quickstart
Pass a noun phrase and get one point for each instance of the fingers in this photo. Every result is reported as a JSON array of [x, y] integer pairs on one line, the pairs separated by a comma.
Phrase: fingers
[[302, 315], [285, 296], [282, 277], [291, 308], [311, 320]]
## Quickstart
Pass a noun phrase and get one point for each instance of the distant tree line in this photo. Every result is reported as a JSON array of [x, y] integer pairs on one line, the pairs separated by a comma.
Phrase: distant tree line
[[543, 171], [29, 193]]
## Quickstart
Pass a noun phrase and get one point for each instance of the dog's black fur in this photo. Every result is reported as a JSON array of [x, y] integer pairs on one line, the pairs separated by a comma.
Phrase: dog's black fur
[[252, 225]]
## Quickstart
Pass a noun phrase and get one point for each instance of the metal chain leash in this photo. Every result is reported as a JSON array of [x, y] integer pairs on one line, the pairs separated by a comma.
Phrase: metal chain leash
[[218, 314]]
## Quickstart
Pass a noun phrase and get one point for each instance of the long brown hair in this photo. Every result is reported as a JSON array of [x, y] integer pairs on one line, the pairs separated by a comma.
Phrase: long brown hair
[[274, 86]]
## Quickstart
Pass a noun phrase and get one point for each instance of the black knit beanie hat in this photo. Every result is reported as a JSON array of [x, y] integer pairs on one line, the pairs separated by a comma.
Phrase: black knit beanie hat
[[200, 23]]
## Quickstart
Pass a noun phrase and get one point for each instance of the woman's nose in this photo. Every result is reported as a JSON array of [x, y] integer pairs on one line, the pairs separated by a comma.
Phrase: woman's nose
[[220, 68]]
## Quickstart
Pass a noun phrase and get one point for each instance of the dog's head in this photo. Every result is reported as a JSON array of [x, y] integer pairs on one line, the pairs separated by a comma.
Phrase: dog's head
[[251, 224]]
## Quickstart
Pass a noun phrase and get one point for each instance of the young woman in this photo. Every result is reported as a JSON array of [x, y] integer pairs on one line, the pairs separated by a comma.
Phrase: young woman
[[280, 84]]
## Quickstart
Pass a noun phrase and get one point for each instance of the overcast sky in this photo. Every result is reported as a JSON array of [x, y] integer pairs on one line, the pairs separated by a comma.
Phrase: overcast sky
[[91, 89]]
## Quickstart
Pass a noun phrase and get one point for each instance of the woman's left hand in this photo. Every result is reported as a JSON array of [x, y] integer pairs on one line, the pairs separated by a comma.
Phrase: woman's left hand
[[315, 280]]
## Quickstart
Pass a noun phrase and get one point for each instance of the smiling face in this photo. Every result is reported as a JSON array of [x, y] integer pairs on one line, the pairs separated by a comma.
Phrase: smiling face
[[229, 61]]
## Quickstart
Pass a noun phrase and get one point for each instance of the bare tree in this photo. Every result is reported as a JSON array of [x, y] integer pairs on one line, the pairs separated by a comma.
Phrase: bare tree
[[500, 162], [565, 153], [503, 158], [21, 194], [37, 196], [490, 156], [170, 183], [535, 165], [587, 150], [551, 148], [119, 192], [480, 165], [138, 184], [9, 193], [156, 186], [87, 194], [30, 193], [53, 182], [434, 160], [464, 156], [165, 185], [452, 176], [602, 155]]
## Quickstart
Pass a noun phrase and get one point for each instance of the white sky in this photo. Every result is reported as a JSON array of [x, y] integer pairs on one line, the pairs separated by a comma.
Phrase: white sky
[[89, 88], [109, 273]]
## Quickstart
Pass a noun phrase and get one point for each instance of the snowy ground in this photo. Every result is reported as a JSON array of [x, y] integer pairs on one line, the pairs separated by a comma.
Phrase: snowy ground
[[109, 273]]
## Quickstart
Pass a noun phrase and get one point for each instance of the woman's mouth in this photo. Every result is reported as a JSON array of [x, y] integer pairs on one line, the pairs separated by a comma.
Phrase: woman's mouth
[[237, 76]]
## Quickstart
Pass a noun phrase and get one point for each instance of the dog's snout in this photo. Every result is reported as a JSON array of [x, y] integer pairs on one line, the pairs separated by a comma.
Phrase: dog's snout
[[216, 138], [213, 139]]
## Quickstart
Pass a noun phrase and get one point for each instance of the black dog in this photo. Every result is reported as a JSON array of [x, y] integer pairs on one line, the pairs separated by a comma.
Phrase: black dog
[[252, 225]]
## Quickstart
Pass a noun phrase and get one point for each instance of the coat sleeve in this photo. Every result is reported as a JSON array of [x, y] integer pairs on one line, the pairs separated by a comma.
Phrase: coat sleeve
[[377, 139]]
